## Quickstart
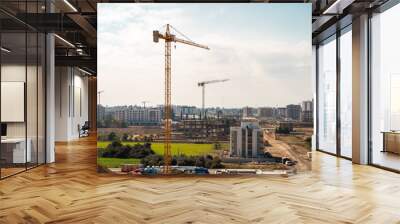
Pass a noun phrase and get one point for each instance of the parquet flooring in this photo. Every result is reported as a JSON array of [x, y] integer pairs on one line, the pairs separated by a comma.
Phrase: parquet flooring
[[71, 191]]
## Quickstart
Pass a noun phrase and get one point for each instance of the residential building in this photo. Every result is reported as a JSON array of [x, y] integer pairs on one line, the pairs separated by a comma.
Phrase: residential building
[[247, 140], [265, 112], [101, 112], [247, 112], [281, 112], [307, 109], [135, 115], [293, 112]]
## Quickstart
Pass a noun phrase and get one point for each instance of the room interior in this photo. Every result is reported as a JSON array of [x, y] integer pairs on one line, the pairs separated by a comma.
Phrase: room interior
[[22, 102], [345, 186]]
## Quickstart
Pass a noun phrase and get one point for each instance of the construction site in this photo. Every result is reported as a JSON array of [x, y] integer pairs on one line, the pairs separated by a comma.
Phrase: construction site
[[232, 140]]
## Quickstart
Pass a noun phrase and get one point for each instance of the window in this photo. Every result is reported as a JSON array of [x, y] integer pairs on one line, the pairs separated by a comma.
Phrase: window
[[327, 96], [346, 93], [385, 89]]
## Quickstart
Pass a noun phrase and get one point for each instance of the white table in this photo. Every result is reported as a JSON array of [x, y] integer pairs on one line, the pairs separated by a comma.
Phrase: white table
[[19, 153]]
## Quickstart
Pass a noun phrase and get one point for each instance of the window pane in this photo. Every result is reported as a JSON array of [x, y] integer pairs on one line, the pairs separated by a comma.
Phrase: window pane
[[327, 96], [346, 94], [386, 89], [14, 153]]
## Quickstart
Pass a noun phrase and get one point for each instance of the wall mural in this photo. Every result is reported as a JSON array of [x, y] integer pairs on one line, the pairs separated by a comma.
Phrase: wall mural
[[204, 89]]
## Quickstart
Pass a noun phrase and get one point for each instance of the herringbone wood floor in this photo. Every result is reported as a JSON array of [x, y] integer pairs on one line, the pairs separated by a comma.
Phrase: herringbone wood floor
[[70, 191]]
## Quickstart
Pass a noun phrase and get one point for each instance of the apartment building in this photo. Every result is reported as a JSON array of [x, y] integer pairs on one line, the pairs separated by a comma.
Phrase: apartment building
[[246, 141], [266, 112], [247, 112], [306, 114], [293, 112], [134, 115]]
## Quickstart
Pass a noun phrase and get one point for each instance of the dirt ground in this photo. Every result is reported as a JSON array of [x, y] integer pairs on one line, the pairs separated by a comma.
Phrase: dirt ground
[[292, 147]]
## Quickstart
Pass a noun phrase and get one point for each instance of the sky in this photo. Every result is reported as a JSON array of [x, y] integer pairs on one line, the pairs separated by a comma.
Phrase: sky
[[263, 49]]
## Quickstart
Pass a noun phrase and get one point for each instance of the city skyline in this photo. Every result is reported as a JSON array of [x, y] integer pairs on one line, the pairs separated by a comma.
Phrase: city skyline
[[267, 62], [199, 107]]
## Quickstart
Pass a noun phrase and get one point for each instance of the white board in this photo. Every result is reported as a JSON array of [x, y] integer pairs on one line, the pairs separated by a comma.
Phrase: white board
[[12, 101]]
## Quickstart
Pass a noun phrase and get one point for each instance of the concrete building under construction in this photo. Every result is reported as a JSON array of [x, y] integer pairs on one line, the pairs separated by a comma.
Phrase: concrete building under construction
[[206, 129], [246, 140]]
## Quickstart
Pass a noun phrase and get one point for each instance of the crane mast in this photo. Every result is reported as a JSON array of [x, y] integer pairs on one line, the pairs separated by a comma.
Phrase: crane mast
[[203, 86], [168, 38]]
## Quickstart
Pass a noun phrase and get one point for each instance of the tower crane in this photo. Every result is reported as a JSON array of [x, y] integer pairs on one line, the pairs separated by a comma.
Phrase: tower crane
[[144, 103], [169, 38], [203, 85], [99, 93]]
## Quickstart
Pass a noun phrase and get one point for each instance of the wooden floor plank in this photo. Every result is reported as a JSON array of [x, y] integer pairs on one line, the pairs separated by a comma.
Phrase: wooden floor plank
[[71, 191]]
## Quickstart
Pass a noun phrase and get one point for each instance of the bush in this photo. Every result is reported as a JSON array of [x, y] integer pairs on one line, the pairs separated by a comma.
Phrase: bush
[[125, 137], [153, 160], [206, 161], [284, 130], [113, 137], [117, 150], [216, 163]]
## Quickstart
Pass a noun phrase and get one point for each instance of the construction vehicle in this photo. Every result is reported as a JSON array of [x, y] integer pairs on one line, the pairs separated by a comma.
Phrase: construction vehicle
[[203, 85], [169, 37]]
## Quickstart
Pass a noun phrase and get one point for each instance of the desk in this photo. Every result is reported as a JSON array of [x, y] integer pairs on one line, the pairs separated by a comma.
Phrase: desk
[[391, 141], [13, 150]]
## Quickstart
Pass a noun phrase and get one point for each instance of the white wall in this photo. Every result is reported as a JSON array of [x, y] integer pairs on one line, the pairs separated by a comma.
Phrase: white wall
[[71, 103]]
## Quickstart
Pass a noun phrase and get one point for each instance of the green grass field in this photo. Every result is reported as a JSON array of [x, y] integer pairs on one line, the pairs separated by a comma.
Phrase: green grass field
[[115, 162], [189, 149]]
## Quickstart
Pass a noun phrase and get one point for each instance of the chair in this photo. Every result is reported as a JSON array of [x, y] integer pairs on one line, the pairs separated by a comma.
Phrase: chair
[[84, 130]]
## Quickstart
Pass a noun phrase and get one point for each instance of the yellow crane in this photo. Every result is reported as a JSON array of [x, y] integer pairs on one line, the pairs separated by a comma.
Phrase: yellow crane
[[203, 85], [169, 38]]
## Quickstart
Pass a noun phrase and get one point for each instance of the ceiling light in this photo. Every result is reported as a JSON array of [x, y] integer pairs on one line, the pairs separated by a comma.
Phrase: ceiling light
[[5, 50], [64, 40], [84, 71], [70, 5]]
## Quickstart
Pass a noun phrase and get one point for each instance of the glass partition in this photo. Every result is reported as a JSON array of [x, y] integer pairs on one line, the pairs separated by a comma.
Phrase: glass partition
[[15, 152], [22, 92]]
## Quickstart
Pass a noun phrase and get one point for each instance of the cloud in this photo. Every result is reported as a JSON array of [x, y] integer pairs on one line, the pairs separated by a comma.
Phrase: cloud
[[263, 69]]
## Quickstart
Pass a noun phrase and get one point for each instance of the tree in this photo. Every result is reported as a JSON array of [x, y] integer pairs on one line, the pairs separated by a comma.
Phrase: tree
[[152, 160], [200, 161], [216, 163], [217, 146], [125, 137], [117, 150], [112, 136]]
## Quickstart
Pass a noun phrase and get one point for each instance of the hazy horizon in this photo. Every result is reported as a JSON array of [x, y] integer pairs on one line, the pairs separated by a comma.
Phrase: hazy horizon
[[263, 49], [187, 105]]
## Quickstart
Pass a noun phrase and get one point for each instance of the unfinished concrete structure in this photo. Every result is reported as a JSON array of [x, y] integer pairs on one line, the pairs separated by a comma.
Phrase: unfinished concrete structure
[[247, 140]]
